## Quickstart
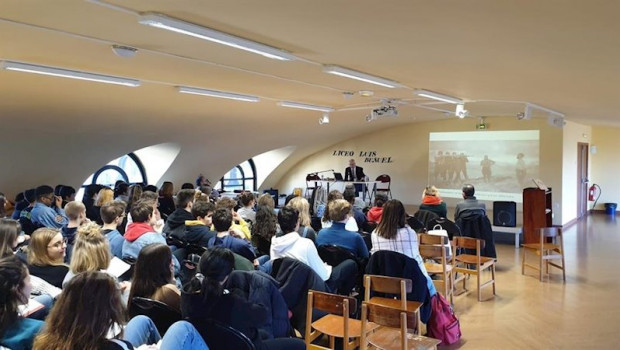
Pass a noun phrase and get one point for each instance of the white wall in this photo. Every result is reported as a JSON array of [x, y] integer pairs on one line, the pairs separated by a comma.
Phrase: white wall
[[573, 134]]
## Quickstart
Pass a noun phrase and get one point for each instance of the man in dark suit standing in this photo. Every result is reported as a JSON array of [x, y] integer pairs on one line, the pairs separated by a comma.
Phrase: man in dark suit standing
[[354, 173]]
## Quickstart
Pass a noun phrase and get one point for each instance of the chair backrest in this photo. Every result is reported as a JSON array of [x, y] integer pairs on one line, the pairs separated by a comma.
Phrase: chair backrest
[[468, 243], [332, 303], [162, 315], [219, 336], [384, 182], [425, 238], [388, 285], [333, 255], [383, 178], [388, 317], [553, 231], [312, 177]]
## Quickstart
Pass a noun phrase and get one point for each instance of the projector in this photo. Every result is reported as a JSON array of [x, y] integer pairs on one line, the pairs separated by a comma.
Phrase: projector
[[384, 111]]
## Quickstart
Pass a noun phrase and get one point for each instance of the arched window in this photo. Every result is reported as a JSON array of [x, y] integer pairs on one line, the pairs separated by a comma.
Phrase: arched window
[[241, 177], [128, 168]]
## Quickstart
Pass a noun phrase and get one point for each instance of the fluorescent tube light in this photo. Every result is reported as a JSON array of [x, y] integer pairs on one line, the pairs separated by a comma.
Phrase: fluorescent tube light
[[304, 106], [219, 94], [66, 73], [352, 74], [438, 96], [178, 26]]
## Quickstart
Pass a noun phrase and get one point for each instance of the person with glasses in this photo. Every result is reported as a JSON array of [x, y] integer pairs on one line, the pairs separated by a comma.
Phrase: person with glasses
[[47, 211], [46, 256]]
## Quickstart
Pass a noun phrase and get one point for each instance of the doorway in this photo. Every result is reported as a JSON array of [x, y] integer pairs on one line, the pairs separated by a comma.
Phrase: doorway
[[582, 179]]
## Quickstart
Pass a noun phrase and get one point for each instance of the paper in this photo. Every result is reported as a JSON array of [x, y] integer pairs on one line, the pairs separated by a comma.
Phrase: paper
[[32, 307], [117, 267]]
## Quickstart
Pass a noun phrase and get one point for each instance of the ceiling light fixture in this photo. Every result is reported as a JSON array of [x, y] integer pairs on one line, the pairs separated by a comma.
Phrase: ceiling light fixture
[[437, 96], [218, 94], [67, 73], [460, 111], [352, 74], [324, 119], [178, 26], [305, 106]]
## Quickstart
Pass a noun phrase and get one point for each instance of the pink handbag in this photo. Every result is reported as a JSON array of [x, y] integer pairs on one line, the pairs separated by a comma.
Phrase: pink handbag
[[443, 324]]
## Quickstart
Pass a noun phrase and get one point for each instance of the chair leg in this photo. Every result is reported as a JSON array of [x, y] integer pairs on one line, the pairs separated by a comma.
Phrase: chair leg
[[523, 261], [478, 283], [493, 276], [540, 266], [563, 268]]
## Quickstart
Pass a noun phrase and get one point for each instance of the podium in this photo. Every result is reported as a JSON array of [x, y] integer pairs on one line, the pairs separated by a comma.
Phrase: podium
[[537, 212]]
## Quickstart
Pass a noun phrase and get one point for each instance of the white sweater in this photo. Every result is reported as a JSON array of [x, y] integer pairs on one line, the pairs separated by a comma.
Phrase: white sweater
[[294, 246]]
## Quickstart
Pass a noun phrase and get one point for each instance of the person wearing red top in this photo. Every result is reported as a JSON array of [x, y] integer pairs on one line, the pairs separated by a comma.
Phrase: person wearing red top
[[432, 202], [374, 214]]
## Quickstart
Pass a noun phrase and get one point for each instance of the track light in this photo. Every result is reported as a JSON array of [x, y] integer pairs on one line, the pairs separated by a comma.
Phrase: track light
[[178, 26], [67, 73], [218, 94], [352, 74], [460, 111], [304, 106], [324, 119], [438, 96]]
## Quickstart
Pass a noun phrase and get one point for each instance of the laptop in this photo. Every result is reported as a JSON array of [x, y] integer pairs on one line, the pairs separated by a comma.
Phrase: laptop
[[338, 176]]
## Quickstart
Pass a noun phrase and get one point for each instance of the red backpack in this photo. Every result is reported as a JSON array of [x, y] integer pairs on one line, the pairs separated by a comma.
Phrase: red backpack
[[443, 324]]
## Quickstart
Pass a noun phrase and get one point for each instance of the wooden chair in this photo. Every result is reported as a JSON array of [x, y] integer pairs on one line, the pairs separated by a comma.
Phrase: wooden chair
[[394, 334], [460, 263], [550, 247], [435, 248], [337, 324], [391, 285]]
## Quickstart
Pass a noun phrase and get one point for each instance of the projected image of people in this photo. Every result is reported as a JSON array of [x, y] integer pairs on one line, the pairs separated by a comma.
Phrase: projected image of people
[[495, 162]]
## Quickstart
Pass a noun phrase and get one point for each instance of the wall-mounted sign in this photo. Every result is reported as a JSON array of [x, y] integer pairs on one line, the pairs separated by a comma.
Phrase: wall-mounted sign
[[363, 156]]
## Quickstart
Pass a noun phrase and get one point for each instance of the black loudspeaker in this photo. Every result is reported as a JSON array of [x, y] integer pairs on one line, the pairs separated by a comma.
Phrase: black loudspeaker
[[505, 214]]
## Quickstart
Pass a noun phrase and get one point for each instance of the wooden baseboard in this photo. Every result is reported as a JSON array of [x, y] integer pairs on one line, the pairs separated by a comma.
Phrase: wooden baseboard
[[601, 211]]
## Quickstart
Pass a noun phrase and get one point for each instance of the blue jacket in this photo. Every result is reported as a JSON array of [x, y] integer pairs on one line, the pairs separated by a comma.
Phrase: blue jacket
[[116, 242], [237, 245], [20, 335], [43, 215], [338, 235]]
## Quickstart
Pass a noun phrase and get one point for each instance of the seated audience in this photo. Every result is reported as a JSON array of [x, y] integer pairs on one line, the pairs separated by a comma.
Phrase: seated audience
[[247, 206], [140, 232], [121, 191], [153, 199], [469, 204], [134, 195], [20, 204], [166, 199], [112, 215], [105, 195], [303, 207], [46, 256], [90, 193], [46, 211], [175, 225], [288, 243], [16, 332], [340, 212], [199, 231], [395, 235], [76, 213], [264, 229], [374, 213], [239, 226], [432, 202], [9, 233], [266, 199], [25, 216], [102, 325], [356, 213], [326, 221], [222, 220], [67, 193], [153, 276], [210, 296]]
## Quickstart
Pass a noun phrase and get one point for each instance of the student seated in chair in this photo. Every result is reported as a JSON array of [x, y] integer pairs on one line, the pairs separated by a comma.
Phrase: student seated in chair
[[469, 203], [199, 231], [339, 212], [222, 221]]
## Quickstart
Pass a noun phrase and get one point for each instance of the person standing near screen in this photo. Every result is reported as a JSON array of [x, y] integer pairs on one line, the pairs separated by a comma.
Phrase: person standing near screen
[[354, 173], [521, 169], [486, 164]]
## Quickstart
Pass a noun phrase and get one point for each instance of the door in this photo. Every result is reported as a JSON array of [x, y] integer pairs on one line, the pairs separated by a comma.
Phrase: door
[[582, 179]]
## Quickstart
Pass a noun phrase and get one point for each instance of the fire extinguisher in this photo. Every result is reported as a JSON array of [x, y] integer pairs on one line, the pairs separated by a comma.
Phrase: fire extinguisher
[[594, 192]]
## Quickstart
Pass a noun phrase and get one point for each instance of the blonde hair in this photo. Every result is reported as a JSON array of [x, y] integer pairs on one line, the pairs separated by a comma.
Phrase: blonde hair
[[105, 195], [430, 191], [37, 249], [303, 207], [266, 199], [74, 209], [338, 209], [91, 251]]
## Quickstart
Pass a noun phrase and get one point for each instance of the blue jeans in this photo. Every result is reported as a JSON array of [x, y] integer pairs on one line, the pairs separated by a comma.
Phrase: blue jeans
[[265, 264], [180, 336]]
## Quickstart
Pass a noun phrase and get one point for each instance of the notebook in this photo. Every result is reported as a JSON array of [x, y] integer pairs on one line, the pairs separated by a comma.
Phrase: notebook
[[338, 176]]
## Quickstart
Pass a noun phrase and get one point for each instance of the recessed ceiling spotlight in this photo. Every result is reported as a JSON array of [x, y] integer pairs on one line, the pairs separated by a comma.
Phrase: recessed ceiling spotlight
[[366, 93], [124, 51], [324, 119]]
